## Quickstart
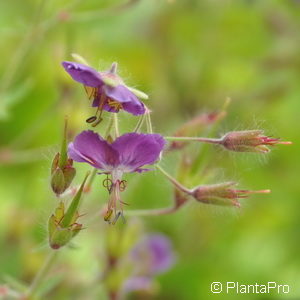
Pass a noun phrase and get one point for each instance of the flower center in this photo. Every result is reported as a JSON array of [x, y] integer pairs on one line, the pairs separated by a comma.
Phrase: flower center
[[115, 185], [114, 104]]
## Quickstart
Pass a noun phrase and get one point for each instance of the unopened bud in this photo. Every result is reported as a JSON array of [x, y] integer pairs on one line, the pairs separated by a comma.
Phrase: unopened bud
[[249, 141], [62, 177], [62, 225], [62, 170], [222, 194]]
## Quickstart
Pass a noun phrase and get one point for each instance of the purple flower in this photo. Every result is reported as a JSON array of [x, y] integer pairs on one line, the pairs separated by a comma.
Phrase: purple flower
[[138, 283], [128, 153], [106, 88], [153, 255]]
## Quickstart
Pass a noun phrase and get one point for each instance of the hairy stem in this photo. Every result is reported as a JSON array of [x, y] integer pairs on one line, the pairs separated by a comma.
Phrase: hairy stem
[[116, 125], [41, 275], [109, 127], [148, 121], [139, 123], [193, 139], [63, 152], [173, 180]]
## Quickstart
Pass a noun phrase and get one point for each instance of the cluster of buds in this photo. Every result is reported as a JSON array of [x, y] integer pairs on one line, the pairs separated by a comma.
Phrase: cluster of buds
[[62, 170]]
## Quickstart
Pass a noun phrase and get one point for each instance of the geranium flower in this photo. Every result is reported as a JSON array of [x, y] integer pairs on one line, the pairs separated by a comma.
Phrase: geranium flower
[[107, 89], [128, 153], [152, 255]]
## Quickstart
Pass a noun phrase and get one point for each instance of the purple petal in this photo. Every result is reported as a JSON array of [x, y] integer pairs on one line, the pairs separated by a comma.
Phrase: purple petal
[[137, 150], [96, 102], [83, 74], [123, 95], [138, 283], [161, 250], [89, 147], [153, 254], [135, 107]]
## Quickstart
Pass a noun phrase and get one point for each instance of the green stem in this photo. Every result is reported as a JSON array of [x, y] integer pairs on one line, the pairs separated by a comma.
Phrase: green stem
[[63, 151], [173, 180], [148, 121], [116, 124], [109, 127], [139, 123], [193, 139], [41, 275]]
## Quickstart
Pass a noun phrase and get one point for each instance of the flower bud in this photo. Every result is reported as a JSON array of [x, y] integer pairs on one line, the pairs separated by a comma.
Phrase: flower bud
[[63, 226], [222, 194], [249, 141], [61, 177], [62, 170]]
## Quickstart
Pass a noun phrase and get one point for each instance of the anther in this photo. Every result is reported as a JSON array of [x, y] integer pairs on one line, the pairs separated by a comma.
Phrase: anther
[[91, 119], [122, 185], [107, 183], [108, 215], [97, 122]]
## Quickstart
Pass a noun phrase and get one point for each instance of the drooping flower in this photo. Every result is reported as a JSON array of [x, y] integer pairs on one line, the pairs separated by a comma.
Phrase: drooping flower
[[107, 90], [152, 255], [249, 141], [128, 153]]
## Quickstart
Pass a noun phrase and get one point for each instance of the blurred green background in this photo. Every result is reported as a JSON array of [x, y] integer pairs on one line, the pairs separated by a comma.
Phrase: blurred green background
[[188, 56]]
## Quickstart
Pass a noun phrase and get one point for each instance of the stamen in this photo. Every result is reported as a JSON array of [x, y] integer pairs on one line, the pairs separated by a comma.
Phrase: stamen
[[108, 184], [114, 104], [122, 185], [90, 91], [118, 215], [91, 119], [108, 215], [116, 218], [97, 122], [99, 109]]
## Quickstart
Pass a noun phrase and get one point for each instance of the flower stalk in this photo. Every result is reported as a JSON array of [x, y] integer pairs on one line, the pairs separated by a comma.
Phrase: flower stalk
[[41, 275], [194, 139], [238, 141]]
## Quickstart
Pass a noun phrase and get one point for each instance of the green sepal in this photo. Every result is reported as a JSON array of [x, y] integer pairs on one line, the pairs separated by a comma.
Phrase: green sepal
[[69, 174], [72, 210], [58, 181], [110, 82], [139, 93]]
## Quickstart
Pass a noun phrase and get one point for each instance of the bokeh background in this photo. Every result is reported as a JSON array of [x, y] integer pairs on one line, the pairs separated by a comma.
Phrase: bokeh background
[[189, 56]]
